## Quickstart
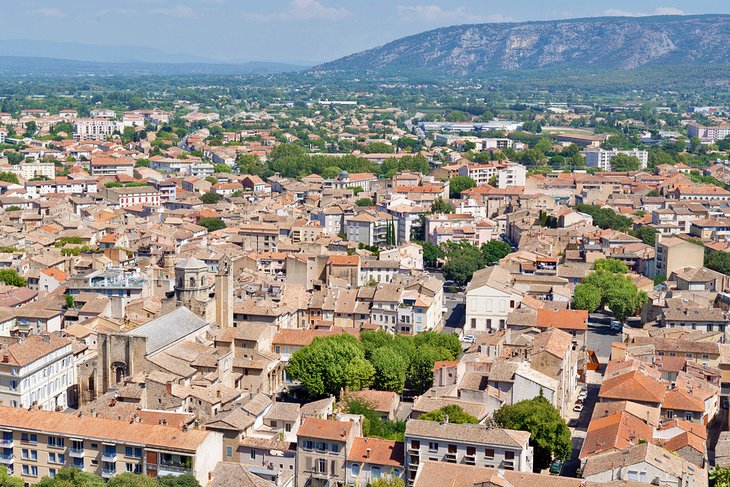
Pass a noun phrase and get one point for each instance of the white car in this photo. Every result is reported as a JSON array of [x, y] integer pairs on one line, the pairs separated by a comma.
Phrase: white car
[[616, 325], [582, 394], [468, 339], [578, 408]]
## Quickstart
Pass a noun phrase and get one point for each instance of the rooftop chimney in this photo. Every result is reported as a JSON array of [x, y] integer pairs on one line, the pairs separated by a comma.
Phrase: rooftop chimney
[[47, 338], [367, 452]]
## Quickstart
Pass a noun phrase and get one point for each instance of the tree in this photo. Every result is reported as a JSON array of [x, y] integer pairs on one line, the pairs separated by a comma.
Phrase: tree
[[365, 202], [373, 425], [721, 476], [605, 217], [431, 254], [618, 292], [7, 480], [587, 297], [454, 413], [457, 184], [131, 480], [12, 278], [390, 369], [222, 168], [184, 480], [9, 177], [212, 224], [142, 163], [441, 206], [329, 364], [718, 261], [611, 265], [625, 163], [495, 250], [646, 234], [462, 263], [72, 477], [420, 371], [388, 481], [549, 435], [210, 198], [70, 301]]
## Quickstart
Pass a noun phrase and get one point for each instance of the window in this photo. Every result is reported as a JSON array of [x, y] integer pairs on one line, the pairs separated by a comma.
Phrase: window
[[335, 448], [26, 469], [287, 427], [253, 455], [52, 472], [56, 442], [509, 455], [229, 451], [375, 472], [29, 438], [473, 322], [322, 466], [415, 444], [308, 444], [688, 416], [433, 446], [355, 469], [129, 467], [471, 451], [489, 453]]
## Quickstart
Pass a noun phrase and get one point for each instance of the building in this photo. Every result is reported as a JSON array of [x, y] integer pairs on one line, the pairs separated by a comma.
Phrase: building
[[489, 299], [372, 228], [674, 253], [323, 447], [601, 158], [370, 459], [39, 443], [38, 371], [111, 166], [708, 133], [511, 175], [36, 169], [466, 444], [131, 196], [95, 129]]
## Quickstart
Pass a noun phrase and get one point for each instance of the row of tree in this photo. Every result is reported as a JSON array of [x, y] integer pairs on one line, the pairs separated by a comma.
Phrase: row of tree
[[378, 359]]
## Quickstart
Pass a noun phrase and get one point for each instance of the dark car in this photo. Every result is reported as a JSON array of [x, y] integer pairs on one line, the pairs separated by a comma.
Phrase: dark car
[[573, 422], [725, 404], [556, 467]]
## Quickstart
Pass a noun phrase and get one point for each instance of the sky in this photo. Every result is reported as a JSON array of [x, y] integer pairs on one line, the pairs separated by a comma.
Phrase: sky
[[292, 31]]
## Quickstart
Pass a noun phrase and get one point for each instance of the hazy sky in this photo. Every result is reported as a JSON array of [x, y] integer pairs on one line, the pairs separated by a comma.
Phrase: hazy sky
[[289, 30]]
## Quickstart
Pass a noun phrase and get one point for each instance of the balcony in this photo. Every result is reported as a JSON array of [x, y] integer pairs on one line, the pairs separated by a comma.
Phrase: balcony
[[76, 452], [108, 472], [108, 456], [172, 470], [469, 460], [6, 458], [6, 443]]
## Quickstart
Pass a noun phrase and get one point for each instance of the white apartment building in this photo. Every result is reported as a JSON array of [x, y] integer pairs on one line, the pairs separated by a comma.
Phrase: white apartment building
[[95, 129], [39, 370], [468, 444], [490, 297], [37, 169], [601, 158], [712, 133], [511, 175]]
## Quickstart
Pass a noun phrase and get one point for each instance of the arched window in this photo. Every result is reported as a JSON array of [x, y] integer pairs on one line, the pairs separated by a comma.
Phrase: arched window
[[192, 281]]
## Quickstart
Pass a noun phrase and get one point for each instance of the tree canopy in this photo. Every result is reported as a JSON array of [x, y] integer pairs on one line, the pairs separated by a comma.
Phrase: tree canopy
[[212, 224], [457, 184], [609, 286], [718, 261], [605, 217], [549, 435], [454, 413]]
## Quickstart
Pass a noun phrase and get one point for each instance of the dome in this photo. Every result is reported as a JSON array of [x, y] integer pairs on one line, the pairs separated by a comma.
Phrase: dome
[[343, 175], [190, 264]]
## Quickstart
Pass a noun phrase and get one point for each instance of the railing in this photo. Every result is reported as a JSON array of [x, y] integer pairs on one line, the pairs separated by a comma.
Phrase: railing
[[108, 472], [76, 452], [6, 458], [6, 442], [109, 457]]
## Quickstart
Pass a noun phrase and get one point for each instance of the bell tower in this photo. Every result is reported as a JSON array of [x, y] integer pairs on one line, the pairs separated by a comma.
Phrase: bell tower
[[224, 294]]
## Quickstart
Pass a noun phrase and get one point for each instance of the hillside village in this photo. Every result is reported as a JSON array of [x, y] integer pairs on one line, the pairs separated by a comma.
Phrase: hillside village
[[341, 294]]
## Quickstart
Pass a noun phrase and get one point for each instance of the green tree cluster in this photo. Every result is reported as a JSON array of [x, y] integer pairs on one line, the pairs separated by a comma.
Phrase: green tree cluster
[[453, 412], [625, 163], [365, 202], [609, 286], [212, 223], [549, 435], [605, 217], [378, 359], [373, 425], [210, 198], [718, 261], [9, 177], [457, 184], [72, 477]]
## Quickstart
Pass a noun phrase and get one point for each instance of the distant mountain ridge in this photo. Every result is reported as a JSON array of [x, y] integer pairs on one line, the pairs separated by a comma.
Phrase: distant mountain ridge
[[620, 43]]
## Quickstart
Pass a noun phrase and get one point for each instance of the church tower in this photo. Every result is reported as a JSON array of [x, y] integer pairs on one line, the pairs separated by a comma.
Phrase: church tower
[[224, 294], [192, 287]]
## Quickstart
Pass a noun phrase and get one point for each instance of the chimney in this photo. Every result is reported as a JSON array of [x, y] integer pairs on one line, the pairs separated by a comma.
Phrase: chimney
[[6, 358], [168, 386], [46, 338], [367, 452]]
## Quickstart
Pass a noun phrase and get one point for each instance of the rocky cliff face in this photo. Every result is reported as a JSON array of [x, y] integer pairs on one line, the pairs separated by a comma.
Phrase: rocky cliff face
[[604, 42]]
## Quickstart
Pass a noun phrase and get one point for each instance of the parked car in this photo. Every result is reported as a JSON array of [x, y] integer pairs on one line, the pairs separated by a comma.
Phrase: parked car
[[573, 422], [583, 394], [616, 325], [578, 408], [468, 339], [725, 404], [556, 467]]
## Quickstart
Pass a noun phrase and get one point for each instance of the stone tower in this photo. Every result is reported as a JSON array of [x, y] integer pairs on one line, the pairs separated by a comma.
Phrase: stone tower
[[224, 294], [193, 288]]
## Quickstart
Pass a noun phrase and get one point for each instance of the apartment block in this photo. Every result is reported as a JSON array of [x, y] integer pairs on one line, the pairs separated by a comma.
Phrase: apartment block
[[602, 158], [466, 444], [38, 443]]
